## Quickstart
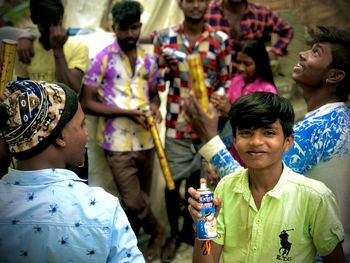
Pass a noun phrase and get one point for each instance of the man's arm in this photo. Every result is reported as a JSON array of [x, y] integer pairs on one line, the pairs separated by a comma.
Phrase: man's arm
[[337, 255], [283, 30], [25, 50], [69, 76], [325, 226], [123, 242], [153, 92], [224, 61], [91, 105], [198, 255], [205, 125]]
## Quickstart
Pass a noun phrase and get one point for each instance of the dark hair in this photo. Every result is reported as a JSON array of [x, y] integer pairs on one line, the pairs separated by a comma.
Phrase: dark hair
[[340, 45], [260, 109], [47, 11], [126, 12], [257, 51]]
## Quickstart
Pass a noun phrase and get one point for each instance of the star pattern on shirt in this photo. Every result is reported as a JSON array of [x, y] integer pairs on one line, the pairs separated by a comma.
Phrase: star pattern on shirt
[[63, 241], [92, 202], [37, 229], [30, 196], [53, 209]]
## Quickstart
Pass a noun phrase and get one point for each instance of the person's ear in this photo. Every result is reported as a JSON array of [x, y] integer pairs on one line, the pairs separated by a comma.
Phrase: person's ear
[[288, 143], [60, 141], [335, 76]]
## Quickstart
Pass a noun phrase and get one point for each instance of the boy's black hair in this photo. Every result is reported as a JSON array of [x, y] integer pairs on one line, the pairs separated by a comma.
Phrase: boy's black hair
[[126, 12], [46, 11], [261, 109], [257, 51], [340, 44]]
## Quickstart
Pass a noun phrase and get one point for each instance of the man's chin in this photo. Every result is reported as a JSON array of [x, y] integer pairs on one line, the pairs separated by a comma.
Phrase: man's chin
[[128, 46], [195, 19]]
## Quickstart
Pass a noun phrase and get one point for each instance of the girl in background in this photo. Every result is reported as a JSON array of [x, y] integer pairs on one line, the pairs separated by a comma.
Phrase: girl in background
[[254, 74]]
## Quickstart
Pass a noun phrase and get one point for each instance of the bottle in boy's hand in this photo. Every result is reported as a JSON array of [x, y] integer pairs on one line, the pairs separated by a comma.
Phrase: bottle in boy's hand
[[206, 225]]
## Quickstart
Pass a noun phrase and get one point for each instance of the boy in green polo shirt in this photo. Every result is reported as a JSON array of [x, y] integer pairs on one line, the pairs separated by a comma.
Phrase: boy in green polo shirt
[[267, 212]]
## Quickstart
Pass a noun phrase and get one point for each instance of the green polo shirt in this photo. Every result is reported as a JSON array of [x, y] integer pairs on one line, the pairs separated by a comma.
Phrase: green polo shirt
[[298, 217]]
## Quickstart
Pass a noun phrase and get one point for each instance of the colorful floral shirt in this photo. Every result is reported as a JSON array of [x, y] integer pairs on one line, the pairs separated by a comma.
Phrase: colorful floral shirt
[[257, 23], [50, 215], [213, 47], [119, 86]]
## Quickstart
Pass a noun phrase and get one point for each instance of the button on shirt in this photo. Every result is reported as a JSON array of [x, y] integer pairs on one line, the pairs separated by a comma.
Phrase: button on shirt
[[298, 217], [213, 48], [51, 216], [119, 86]]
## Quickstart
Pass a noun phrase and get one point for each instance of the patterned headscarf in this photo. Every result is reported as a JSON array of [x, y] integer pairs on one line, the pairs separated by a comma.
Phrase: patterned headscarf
[[38, 111]]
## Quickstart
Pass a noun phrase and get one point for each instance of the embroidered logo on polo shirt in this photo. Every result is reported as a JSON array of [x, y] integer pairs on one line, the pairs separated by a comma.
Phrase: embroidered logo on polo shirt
[[286, 246]]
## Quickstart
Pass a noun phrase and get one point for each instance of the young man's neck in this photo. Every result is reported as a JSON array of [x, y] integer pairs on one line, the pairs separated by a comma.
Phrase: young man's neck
[[129, 52], [44, 160], [263, 180], [318, 97], [193, 28]]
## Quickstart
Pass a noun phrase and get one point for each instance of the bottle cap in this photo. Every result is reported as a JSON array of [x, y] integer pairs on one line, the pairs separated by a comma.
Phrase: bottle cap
[[221, 91]]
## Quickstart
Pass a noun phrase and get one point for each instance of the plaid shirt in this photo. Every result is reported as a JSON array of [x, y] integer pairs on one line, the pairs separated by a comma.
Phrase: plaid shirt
[[257, 23], [213, 47]]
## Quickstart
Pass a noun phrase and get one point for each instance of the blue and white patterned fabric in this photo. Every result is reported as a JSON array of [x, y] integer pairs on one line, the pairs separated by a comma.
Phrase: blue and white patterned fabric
[[50, 215], [321, 151]]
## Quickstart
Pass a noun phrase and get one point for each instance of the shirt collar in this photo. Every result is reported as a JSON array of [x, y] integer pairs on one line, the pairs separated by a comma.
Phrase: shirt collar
[[243, 185], [277, 191], [35, 177], [115, 47], [207, 29]]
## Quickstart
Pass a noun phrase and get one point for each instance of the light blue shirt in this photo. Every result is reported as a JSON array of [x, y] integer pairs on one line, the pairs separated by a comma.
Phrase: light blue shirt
[[50, 215], [321, 151]]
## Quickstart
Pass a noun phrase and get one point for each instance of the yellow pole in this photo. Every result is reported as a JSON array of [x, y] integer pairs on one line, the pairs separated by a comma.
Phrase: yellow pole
[[196, 75], [169, 181], [7, 62]]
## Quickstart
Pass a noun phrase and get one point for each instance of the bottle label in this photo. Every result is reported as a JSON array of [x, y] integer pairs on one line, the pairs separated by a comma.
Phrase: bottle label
[[206, 225]]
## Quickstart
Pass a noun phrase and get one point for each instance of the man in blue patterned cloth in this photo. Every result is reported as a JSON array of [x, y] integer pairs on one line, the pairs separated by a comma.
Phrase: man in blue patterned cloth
[[47, 214], [321, 148]]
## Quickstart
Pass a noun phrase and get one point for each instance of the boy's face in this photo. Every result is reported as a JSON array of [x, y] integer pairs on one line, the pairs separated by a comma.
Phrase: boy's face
[[313, 65], [194, 10], [75, 134], [128, 35], [262, 148]]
